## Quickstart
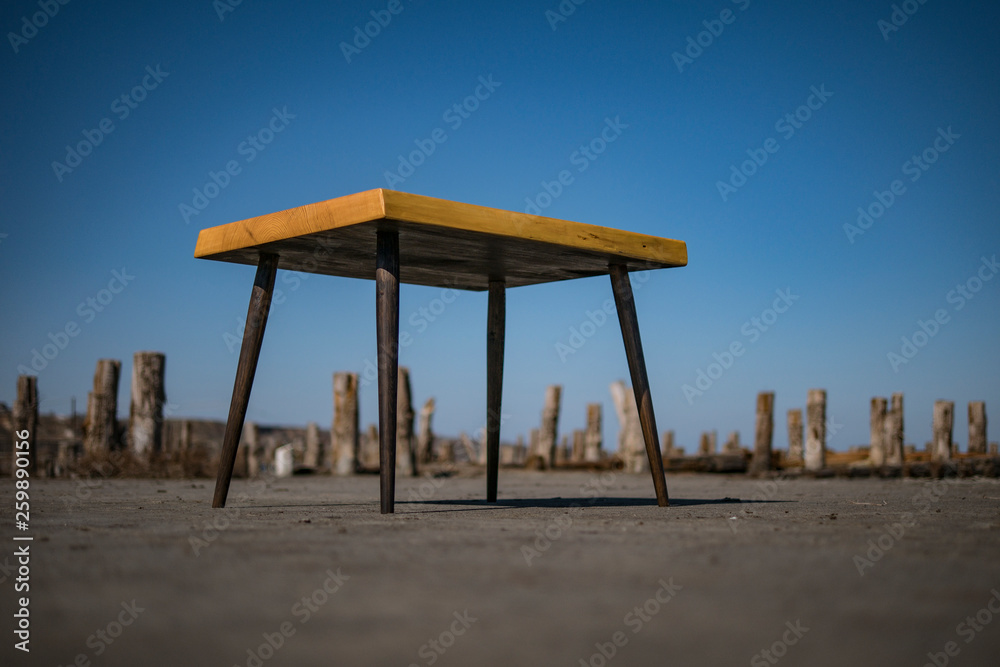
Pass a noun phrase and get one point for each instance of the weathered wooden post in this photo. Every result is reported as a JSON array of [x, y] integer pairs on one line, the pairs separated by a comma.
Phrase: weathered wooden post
[[184, 446], [369, 455], [944, 419], [425, 439], [816, 430], [345, 434], [26, 419], [876, 447], [764, 432], [795, 436], [406, 454], [704, 445], [311, 456], [732, 445], [631, 446], [894, 431], [251, 451], [579, 446], [592, 439], [548, 432], [145, 421], [101, 423], [668, 443], [977, 427]]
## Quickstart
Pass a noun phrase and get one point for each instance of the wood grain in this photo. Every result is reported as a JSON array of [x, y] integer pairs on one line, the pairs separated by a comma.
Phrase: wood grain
[[387, 334], [495, 333], [442, 243]]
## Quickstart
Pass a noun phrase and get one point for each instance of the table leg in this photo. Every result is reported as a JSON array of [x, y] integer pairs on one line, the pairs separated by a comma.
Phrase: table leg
[[253, 336], [387, 330], [625, 303], [495, 325]]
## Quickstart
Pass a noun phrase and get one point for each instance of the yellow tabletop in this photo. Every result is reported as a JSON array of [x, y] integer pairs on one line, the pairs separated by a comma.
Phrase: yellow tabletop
[[441, 243]]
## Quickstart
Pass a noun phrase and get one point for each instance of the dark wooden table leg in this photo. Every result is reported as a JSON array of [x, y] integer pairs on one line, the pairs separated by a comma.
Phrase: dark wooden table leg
[[387, 325], [495, 325], [622, 287], [253, 336]]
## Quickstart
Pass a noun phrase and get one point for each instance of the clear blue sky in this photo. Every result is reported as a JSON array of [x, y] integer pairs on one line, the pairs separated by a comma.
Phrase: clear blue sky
[[683, 125]]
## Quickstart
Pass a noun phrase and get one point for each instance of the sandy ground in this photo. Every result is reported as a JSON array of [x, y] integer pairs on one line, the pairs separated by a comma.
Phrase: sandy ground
[[305, 571]]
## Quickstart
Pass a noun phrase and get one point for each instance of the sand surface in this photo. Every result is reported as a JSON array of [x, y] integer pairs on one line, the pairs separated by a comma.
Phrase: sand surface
[[548, 576]]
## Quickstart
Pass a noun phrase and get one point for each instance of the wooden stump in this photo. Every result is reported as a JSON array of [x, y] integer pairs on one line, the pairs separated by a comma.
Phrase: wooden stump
[[312, 456], [101, 423], [425, 439], [732, 445], [369, 454], [26, 421], [548, 432], [406, 454], [344, 436], [668, 443], [251, 449], [631, 446], [145, 421], [593, 437], [815, 457], [944, 420], [763, 433], [795, 436], [977, 427], [579, 446], [876, 447], [894, 431]]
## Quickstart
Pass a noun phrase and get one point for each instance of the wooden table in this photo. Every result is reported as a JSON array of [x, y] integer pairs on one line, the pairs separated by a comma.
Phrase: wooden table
[[397, 237]]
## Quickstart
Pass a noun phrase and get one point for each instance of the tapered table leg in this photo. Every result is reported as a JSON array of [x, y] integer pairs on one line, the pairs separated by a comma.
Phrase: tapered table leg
[[495, 325], [253, 336], [387, 325], [625, 303]]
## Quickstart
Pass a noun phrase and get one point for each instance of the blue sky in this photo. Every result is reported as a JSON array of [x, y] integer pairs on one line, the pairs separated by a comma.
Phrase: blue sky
[[197, 86]]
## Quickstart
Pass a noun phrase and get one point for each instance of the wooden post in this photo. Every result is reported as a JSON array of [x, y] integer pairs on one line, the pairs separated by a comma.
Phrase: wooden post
[[593, 437], [977, 427], [344, 434], [732, 445], [251, 449], [253, 336], [548, 432], [876, 448], [406, 453], [425, 439], [795, 436], [445, 452], [894, 432], [26, 420], [145, 420], [631, 449], [579, 447], [668, 443], [764, 432], [625, 303], [704, 445], [816, 430], [101, 432], [496, 324], [311, 458], [944, 419], [387, 334], [369, 455]]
